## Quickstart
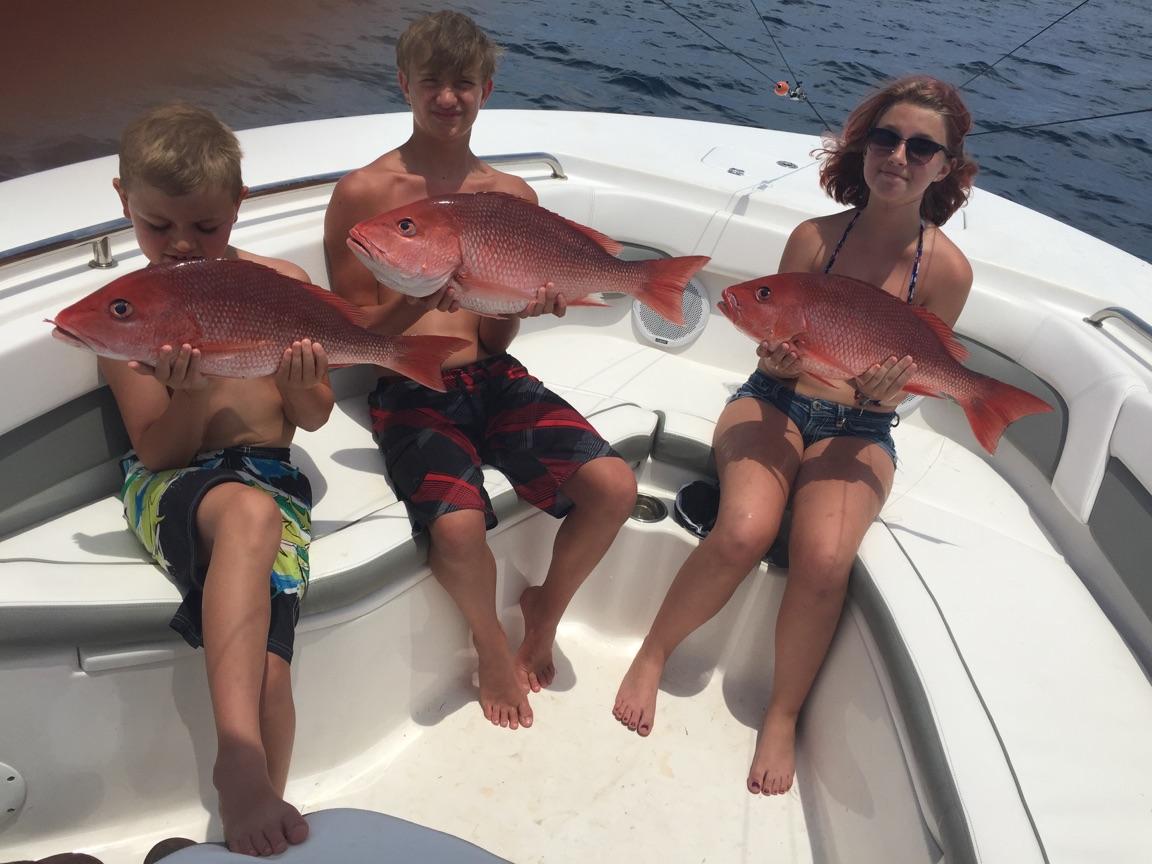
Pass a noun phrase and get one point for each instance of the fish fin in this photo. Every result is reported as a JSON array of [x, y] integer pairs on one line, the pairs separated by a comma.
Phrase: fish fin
[[921, 390], [421, 357], [663, 287], [943, 332], [465, 283], [349, 310], [995, 405], [608, 244], [589, 300]]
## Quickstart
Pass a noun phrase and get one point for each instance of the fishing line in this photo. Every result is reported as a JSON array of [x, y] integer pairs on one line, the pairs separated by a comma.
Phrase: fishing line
[[1021, 45], [788, 66], [737, 55], [1058, 122]]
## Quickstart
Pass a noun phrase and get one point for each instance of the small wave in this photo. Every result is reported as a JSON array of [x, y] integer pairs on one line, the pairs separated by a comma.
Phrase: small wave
[[647, 85], [1054, 68]]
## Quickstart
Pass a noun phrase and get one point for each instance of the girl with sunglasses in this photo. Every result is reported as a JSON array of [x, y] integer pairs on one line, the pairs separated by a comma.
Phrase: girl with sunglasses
[[900, 165]]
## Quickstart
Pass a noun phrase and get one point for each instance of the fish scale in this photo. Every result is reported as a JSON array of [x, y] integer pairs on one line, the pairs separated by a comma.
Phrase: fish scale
[[840, 327], [241, 316], [498, 250]]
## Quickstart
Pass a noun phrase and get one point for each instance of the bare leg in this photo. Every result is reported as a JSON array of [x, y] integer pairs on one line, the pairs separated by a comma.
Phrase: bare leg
[[841, 486], [603, 493], [277, 719], [463, 564], [757, 454], [240, 529]]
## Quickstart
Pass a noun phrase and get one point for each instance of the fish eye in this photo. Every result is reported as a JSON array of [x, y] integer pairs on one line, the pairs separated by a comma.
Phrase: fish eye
[[407, 227], [120, 309], [763, 293]]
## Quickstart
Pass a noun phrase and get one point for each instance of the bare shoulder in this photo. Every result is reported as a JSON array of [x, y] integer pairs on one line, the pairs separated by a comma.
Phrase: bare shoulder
[[280, 265], [375, 188], [485, 178], [948, 279], [510, 184], [810, 241]]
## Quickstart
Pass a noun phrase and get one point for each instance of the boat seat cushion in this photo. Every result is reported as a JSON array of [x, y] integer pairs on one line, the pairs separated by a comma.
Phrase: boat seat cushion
[[82, 577]]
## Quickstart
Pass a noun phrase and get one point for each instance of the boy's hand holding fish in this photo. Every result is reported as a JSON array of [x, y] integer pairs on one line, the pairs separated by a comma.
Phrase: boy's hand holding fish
[[176, 369], [302, 366]]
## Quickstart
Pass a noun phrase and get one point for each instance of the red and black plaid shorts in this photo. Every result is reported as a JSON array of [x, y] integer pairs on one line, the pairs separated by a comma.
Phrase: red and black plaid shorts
[[494, 412]]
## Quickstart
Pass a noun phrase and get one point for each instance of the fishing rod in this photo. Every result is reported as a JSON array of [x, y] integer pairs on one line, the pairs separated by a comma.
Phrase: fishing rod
[[1022, 44], [1059, 122], [781, 88]]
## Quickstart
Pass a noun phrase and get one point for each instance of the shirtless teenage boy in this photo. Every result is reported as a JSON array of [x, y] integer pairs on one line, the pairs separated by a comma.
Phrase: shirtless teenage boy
[[433, 443]]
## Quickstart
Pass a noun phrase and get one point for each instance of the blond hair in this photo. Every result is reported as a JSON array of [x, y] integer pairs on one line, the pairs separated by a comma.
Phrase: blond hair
[[446, 41], [180, 148]]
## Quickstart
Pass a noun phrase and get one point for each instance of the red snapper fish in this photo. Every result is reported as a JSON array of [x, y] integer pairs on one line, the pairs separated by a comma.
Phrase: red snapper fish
[[241, 315], [497, 250], [840, 327]]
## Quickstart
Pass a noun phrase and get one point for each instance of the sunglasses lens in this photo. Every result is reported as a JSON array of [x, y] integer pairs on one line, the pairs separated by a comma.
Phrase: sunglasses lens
[[921, 149], [883, 139]]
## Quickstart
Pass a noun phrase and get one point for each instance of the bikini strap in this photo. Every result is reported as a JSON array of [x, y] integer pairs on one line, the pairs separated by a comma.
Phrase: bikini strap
[[916, 263], [843, 237]]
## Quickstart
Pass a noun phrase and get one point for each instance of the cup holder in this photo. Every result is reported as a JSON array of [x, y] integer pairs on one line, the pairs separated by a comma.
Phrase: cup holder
[[649, 509]]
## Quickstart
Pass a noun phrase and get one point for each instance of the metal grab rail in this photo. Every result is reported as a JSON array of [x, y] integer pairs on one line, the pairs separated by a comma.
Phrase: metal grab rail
[[95, 234], [1142, 327]]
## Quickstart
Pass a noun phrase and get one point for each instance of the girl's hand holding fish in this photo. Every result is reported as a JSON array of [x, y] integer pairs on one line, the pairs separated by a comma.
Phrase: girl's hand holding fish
[[883, 383], [302, 366], [176, 370], [780, 359]]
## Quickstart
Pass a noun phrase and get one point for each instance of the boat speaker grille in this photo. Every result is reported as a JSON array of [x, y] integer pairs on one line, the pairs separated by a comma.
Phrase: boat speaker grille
[[658, 331]]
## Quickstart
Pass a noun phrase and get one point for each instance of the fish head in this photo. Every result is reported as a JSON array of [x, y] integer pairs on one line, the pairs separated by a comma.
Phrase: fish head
[[413, 249], [765, 308], [130, 318]]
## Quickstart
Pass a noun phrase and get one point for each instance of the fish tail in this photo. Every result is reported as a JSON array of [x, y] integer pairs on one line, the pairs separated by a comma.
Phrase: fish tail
[[421, 357], [994, 405], [662, 285]]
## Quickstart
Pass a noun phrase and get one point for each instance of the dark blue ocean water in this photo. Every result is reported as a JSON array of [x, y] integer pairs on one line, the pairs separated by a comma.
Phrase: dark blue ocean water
[[85, 69]]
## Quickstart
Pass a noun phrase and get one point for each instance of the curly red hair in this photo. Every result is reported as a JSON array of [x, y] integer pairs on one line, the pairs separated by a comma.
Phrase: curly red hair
[[842, 174]]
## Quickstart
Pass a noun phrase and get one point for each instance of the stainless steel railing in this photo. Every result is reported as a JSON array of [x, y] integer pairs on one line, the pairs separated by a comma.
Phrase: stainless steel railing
[[1133, 320], [97, 235]]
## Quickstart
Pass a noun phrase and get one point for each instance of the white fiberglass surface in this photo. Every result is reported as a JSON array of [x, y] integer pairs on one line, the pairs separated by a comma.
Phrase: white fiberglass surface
[[388, 720]]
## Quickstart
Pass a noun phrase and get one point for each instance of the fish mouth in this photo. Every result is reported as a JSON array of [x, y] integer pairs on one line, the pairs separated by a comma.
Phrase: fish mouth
[[728, 304], [66, 336]]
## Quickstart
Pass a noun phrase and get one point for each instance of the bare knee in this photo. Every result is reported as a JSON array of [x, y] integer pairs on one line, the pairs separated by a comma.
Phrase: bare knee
[[458, 534], [740, 547], [606, 484], [823, 571], [243, 511]]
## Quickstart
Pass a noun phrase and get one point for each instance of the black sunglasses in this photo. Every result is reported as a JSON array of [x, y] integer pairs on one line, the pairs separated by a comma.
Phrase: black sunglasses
[[920, 150]]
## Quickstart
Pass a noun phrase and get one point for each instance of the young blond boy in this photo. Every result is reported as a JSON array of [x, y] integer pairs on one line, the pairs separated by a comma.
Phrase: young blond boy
[[208, 486], [433, 443]]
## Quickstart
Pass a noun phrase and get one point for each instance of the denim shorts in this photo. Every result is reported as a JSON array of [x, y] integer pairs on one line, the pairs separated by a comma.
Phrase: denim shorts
[[818, 419]]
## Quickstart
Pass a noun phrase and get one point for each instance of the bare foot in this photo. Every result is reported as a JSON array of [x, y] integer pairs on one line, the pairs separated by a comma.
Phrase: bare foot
[[503, 698], [774, 764], [534, 659], [256, 820], [636, 699]]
